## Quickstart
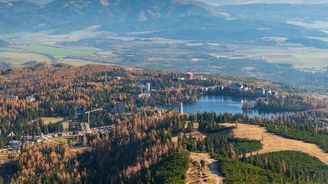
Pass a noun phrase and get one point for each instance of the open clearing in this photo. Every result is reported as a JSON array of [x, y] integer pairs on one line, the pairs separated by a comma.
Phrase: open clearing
[[195, 134], [48, 120], [18, 58], [46, 54], [299, 56], [275, 143], [63, 140], [209, 174]]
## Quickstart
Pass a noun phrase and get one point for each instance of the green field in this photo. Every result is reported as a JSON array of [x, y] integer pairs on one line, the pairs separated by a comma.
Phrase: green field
[[18, 58], [299, 56], [57, 52], [41, 46], [63, 140], [18, 55]]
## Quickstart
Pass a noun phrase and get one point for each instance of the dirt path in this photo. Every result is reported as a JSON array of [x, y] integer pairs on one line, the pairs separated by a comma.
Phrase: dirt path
[[275, 143], [198, 175]]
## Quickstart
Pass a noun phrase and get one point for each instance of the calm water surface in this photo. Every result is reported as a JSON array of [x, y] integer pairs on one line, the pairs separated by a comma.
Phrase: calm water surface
[[219, 105]]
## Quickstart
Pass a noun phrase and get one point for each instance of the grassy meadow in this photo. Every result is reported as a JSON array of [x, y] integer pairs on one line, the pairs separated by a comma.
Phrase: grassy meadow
[[45, 47], [50, 120], [57, 52], [300, 57], [18, 55], [18, 58]]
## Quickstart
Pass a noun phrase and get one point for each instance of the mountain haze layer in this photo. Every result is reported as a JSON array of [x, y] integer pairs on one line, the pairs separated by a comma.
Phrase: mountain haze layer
[[240, 2], [271, 40], [179, 19]]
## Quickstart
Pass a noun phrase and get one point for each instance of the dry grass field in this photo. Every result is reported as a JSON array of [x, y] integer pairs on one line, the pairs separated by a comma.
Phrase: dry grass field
[[66, 125], [63, 140], [48, 120], [195, 134], [275, 143], [209, 174]]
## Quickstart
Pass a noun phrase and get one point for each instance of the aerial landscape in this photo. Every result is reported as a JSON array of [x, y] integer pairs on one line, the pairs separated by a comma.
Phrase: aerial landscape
[[164, 91]]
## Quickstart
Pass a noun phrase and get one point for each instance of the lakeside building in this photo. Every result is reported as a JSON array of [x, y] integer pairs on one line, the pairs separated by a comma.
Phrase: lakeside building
[[13, 97], [11, 134], [275, 93], [31, 98], [144, 95], [260, 91], [236, 87], [189, 76], [14, 144]]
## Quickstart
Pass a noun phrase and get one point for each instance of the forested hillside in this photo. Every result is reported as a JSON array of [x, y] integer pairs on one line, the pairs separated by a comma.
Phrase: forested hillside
[[143, 143]]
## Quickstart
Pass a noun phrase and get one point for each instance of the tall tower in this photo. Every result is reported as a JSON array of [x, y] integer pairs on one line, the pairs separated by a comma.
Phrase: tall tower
[[148, 87], [106, 78], [181, 108]]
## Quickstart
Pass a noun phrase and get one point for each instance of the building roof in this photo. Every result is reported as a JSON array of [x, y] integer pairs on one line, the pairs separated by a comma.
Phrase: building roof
[[12, 134], [119, 108], [236, 85]]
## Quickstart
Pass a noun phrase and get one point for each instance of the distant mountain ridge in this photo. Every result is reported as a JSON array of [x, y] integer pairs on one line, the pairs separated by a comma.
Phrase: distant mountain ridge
[[177, 19], [241, 2], [83, 13], [223, 2]]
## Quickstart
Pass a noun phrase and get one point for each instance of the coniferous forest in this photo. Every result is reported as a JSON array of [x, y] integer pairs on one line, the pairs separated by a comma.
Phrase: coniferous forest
[[144, 143]]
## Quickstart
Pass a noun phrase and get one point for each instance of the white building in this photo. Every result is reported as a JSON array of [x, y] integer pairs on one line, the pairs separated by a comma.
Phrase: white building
[[14, 144], [85, 128], [189, 76], [30, 98], [148, 87], [275, 93], [259, 91], [141, 86], [236, 87], [268, 92], [143, 95], [13, 97]]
